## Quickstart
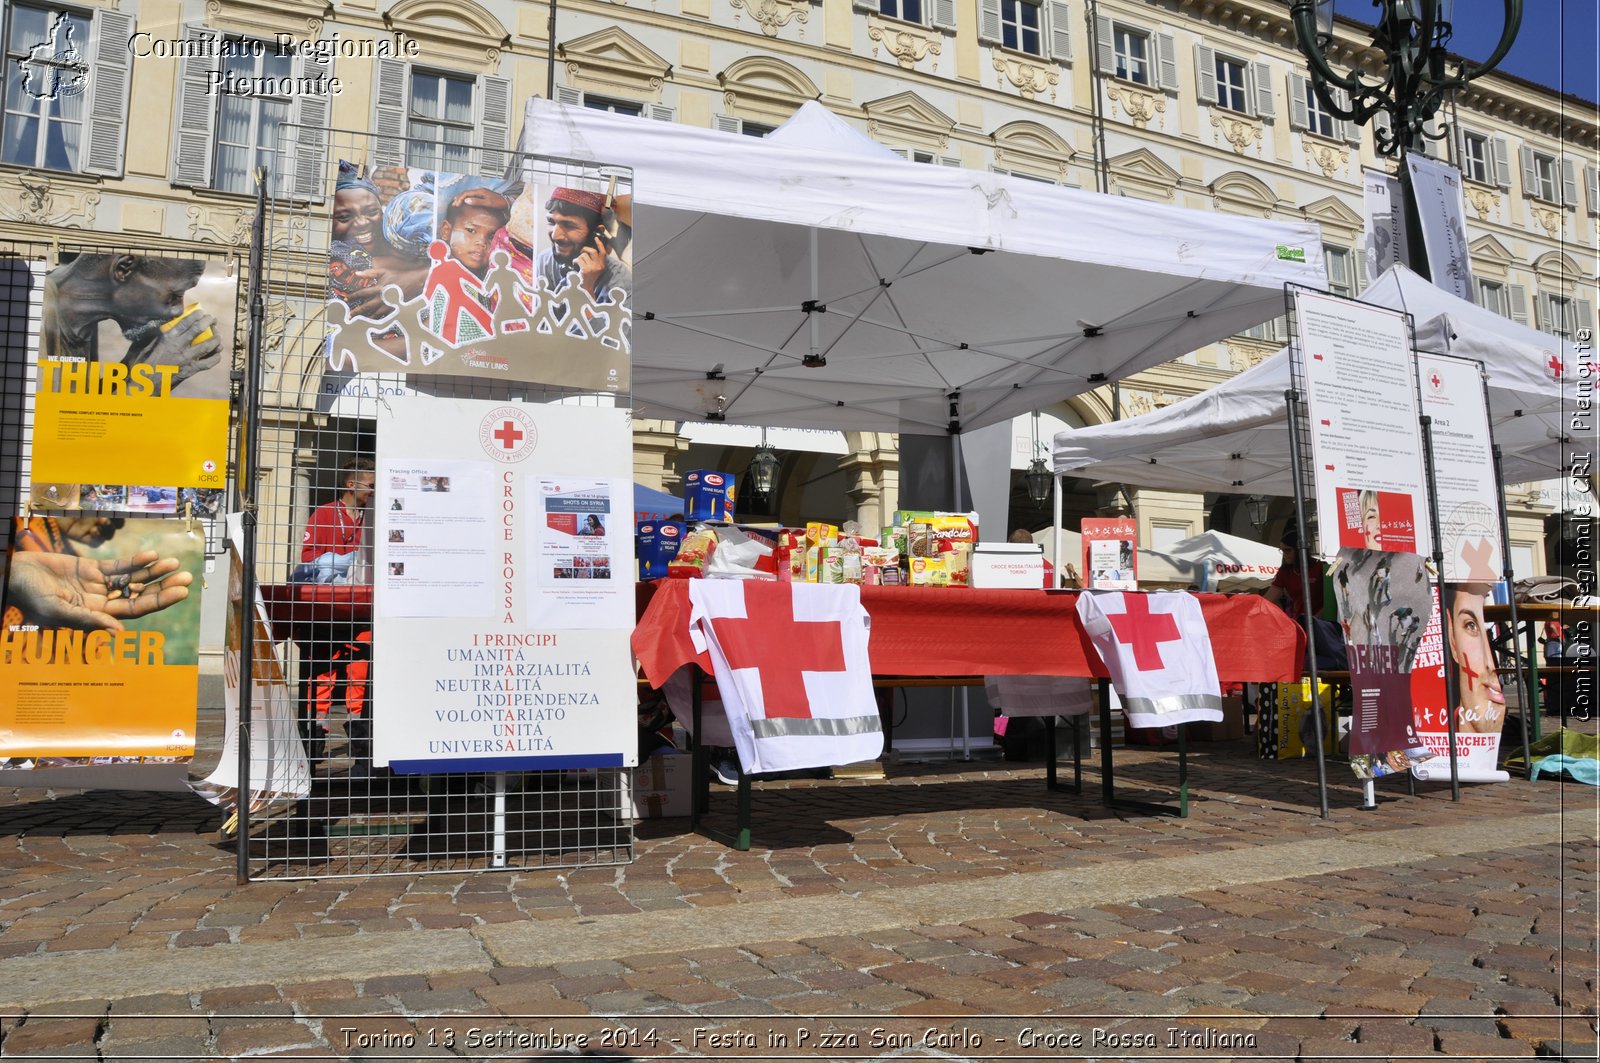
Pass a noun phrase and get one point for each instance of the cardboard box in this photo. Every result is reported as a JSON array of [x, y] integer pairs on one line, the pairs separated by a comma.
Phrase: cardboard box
[[1230, 729], [656, 542], [999, 565], [662, 786], [708, 495]]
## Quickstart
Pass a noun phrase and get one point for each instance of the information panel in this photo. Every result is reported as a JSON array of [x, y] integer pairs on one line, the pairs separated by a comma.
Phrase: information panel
[[1463, 469], [1366, 443], [503, 601]]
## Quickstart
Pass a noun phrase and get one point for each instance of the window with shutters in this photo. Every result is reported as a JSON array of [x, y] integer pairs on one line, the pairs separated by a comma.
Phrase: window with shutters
[[1476, 162], [1232, 85], [247, 124], [1319, 119], [615, 106], [1021, 24], [904, 10], [1555, 315], [439, 122], [1131, 48], [1544, 176], [1492, 296], [46, 78], [1341, 273]]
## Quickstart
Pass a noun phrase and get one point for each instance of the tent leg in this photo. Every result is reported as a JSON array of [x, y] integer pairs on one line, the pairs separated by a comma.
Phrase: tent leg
[[1290, 399], [1108, 793], [1369, 796], [1510, 577], [1183, 771], [498, 859]]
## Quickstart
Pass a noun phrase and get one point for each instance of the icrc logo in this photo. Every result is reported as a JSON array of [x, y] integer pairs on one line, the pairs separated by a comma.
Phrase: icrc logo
[[55, 69]]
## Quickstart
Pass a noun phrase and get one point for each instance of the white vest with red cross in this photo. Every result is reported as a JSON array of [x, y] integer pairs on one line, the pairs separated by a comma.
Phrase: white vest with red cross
[[1158, 651]]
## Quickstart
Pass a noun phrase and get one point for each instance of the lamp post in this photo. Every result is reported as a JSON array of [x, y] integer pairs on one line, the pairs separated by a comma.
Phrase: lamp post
[[762, 474], [1413, 37]]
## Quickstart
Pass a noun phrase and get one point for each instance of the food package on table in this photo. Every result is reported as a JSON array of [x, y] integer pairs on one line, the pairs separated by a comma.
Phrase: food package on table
[[820, 534], [708, 495], [875, 561], [656, 542], [957, 558], [830, 564], [693, 556], [929, 572], [920, 541], [955, 527]]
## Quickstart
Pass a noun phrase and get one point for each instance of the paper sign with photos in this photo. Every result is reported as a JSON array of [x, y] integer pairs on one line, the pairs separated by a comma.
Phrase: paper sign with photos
[[455, 275]]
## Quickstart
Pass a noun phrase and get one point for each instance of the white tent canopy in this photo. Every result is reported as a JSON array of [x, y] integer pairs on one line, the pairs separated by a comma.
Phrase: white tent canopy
[[1234, 438], [950, 295], [1235, 564]]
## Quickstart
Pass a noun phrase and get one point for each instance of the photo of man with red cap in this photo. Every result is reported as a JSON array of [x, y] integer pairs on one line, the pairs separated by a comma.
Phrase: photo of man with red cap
[[579, 244]]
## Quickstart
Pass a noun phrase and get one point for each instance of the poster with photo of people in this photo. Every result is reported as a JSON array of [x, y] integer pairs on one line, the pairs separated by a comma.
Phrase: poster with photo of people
[[135, 361], [431, 272]]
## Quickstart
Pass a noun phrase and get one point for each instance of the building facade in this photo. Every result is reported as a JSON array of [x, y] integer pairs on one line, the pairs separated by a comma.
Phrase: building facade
[[137, 123]]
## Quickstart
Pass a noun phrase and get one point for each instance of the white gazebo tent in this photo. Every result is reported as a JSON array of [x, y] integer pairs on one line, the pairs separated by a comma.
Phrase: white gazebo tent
[[812, 279], [1234, 438]]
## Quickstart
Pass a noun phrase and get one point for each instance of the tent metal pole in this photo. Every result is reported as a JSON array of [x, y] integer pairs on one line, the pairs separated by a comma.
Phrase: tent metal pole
[[816, 283], [1506, 565], [1290, 399], [1452, 693], [1055, 529], [955, 507]]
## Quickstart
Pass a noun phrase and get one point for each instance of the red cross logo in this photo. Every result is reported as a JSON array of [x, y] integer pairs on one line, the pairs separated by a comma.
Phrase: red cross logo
[[508, 434], [1144, 631], [1435, 381], [1555, 366], [769, 639]]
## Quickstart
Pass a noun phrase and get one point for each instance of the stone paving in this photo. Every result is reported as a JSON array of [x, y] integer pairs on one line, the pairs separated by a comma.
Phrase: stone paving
[[951, 911]]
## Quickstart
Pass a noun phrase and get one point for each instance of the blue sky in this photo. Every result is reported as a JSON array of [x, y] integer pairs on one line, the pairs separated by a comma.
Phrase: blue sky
[[1556, 46]]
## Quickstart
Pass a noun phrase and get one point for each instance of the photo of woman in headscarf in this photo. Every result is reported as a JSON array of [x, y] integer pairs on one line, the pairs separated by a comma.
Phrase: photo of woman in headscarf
[[363, 259]]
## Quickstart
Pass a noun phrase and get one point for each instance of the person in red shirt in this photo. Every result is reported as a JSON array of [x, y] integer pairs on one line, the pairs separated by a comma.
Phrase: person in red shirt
[[334, 536], [336, 527], [1286, 590]]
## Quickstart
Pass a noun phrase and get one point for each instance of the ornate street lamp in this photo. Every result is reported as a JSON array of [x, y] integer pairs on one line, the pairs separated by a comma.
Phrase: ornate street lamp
[[1257, 506], [1037, 478], [762, 475], [1414, 37]]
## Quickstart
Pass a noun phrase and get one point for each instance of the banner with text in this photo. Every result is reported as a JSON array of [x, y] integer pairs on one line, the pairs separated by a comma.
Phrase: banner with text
[[1383, 205], [1110, 554], [503, 597], [432, 272], [1436, 187], [99, 643], [134, 371], [1366, 441], [1463, 468]]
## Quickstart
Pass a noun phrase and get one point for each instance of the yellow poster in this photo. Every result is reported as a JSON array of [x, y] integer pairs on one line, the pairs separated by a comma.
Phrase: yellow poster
[[99, 641], [134, 367]]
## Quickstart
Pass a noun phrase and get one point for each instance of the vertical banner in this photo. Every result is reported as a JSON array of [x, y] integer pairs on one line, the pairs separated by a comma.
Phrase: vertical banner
[[1463, 469], [135, 364], [1110, 554], [1385, 601], [504, 594], [1366, 442], [432, 272], [1383, 206], [1442, 214], [1481, 711], [99, 658], [279, 772]]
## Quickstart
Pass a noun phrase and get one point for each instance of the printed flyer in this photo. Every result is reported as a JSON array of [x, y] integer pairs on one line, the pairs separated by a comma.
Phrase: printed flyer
[[1463, 468], [99, 641], [1481, 702], [431, 272], [1110, 557], [135, 357], [1366, 442], [524, 664]]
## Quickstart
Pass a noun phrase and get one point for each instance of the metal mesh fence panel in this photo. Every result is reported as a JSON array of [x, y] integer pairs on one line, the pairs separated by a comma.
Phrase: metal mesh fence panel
[[312, 433]]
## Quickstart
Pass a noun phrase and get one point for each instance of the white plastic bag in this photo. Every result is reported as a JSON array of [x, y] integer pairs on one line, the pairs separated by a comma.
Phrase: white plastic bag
[[736, 556]]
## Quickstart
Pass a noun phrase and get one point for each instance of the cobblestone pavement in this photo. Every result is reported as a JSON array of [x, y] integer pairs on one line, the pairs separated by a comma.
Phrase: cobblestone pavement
[[951, 912]]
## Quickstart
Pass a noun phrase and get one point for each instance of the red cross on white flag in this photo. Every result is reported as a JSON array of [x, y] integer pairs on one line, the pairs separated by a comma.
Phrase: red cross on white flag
[[791, 663], [1157, 650]]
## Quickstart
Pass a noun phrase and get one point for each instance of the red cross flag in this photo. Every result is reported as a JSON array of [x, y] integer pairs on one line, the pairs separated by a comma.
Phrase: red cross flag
[[791, 663], [1158, 651]]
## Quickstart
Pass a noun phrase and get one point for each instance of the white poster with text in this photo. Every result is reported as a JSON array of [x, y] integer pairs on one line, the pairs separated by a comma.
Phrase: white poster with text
[[480, 660], [1463, 469], [1366, 442]]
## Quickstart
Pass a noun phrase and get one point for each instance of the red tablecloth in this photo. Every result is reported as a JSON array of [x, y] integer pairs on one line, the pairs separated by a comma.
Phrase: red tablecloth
[[920, 631], [305, 611]]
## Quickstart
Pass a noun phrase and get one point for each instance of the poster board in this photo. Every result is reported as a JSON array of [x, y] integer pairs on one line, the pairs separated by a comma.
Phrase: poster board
[[1463, 469], [99, 642], [503, 595], [135, 356], [438, 273], [1110, 553], [1481, 703], [1366, 442]]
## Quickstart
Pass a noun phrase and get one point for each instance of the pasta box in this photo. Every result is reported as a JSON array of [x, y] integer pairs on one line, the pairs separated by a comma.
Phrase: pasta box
[[657, 542], [1008, 565], [708, 495]]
